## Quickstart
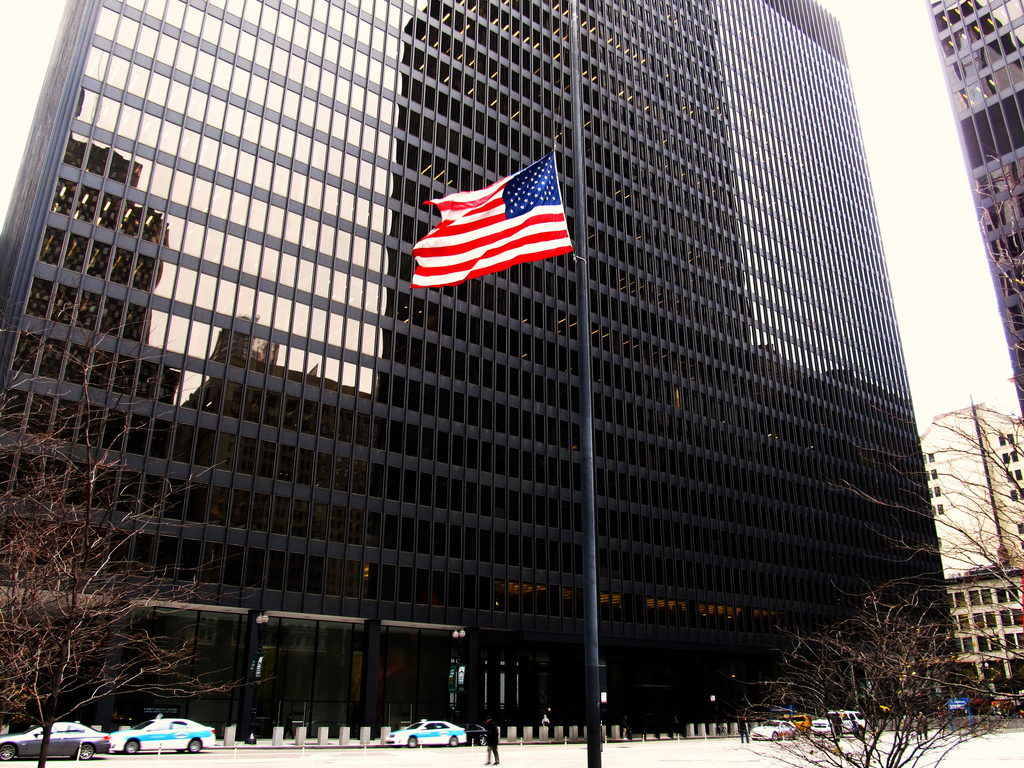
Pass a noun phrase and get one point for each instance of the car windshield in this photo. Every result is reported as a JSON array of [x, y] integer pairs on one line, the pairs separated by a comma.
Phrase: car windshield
[[142, 726]]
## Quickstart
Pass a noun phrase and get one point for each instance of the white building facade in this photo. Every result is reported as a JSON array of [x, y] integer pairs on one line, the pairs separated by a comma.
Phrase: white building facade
[[975, 468]]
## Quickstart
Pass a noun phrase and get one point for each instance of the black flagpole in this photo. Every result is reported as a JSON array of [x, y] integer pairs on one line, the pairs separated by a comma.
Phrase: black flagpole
[[592, 676]]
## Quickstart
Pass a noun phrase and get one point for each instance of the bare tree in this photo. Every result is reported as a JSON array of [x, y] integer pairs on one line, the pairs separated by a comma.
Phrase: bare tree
[[893, 662], [73, 588]]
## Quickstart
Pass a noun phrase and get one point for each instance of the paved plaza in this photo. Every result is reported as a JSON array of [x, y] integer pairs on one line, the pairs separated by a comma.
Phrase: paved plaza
[[1001, 750]]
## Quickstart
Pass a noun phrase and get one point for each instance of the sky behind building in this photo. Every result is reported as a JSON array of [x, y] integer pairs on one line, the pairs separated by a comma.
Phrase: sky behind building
[[951, 333]]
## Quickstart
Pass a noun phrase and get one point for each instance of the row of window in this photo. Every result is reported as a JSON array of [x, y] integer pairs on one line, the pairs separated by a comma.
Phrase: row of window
[[990, 620], [257, 568], [102, 260], [986, 644], [986, 596], [69, 305]]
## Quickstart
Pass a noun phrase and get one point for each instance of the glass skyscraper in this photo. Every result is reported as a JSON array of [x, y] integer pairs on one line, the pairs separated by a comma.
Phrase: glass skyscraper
[[980, 41], [209, 254]]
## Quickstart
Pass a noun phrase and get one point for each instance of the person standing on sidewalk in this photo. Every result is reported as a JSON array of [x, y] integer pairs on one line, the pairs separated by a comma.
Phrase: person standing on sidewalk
[[492, 739], [744, 728]]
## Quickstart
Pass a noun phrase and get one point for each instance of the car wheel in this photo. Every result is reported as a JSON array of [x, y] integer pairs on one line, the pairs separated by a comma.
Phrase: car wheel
[[86, 751], [194, 746], [453, 741], [8, 752], [412, 742], [131, 747], [775, 735], [482, 741]]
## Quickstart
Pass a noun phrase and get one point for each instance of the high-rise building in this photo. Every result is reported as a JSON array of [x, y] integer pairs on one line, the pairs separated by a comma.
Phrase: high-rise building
[[980, 41], [211, 248], [976, 478]]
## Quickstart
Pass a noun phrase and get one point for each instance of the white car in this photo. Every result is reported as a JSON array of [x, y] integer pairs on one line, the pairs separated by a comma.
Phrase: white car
[[163, 734], [426, 733], [773, 730], [821, 727], [841, 723]]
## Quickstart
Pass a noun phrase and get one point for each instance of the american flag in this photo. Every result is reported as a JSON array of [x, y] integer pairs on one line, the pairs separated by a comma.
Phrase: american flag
[[515, 220]]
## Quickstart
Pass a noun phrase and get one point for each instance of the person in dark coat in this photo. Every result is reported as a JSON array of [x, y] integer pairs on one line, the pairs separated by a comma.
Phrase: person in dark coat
[[492, 739], [744, 728]]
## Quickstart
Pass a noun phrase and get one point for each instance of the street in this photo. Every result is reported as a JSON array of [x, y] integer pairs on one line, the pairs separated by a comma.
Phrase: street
[[1002, 750]]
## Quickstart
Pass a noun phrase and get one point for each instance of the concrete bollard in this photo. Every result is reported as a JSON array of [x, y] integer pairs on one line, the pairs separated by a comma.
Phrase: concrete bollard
[[690, 731], [528, 733], [277, 736], [702, 730], [300, 736], [322, 736], [364, 735], [229, 735], [344, 734], [384, 733], [734, 729], [559, 733], [616, 732], [574, 733], [513, 734]]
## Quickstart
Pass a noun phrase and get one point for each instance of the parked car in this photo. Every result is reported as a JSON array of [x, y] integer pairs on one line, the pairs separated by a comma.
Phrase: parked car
[[802, 722], [163, 734], [773, 730], [821, 727], [850, 721], [66, 740], [843, 722], [428, 733], [475, 734]]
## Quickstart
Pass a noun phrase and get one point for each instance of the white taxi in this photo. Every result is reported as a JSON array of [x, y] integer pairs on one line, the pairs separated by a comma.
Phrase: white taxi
[[427, 733], [171, 733]]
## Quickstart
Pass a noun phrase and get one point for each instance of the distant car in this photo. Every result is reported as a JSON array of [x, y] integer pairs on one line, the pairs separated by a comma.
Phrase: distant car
[[821, 727], [843, 722], [773, 730], [66, 740], [475, 734], [428, 733], [849, 721], [163, 734], [802, 722]]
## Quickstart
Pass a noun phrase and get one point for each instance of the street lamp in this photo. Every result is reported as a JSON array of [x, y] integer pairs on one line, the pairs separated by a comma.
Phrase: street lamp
[[256, 672], [457, 676]]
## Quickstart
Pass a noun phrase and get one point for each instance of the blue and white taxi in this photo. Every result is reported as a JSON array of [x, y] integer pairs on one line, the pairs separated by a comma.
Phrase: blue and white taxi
[[163, 734], [428, 733]]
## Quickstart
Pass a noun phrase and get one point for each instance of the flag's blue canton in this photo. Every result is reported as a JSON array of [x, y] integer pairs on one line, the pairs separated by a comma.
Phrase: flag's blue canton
[[533, 186]]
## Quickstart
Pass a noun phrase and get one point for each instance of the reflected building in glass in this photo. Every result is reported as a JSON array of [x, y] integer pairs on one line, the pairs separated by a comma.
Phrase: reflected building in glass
[[981, 43], [212, 246]]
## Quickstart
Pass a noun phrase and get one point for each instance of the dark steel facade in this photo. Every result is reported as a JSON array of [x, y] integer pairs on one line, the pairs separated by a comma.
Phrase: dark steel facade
[[217, 218]]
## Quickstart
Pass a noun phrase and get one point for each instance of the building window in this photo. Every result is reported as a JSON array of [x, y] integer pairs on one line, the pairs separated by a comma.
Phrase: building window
[[936, 491], [940, 509], [931, 457], [935, 474]]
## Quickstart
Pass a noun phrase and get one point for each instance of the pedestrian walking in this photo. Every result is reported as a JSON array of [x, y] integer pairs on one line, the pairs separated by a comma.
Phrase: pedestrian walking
[[626, 732], [922, 726], [492, 739], [744, 728]]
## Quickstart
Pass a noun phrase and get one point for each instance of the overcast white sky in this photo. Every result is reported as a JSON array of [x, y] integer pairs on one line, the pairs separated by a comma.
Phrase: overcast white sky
[[952, 336]]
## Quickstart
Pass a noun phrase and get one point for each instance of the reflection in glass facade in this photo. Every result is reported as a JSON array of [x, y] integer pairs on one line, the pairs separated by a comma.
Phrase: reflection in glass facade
[[213, 253], [981, 43]]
